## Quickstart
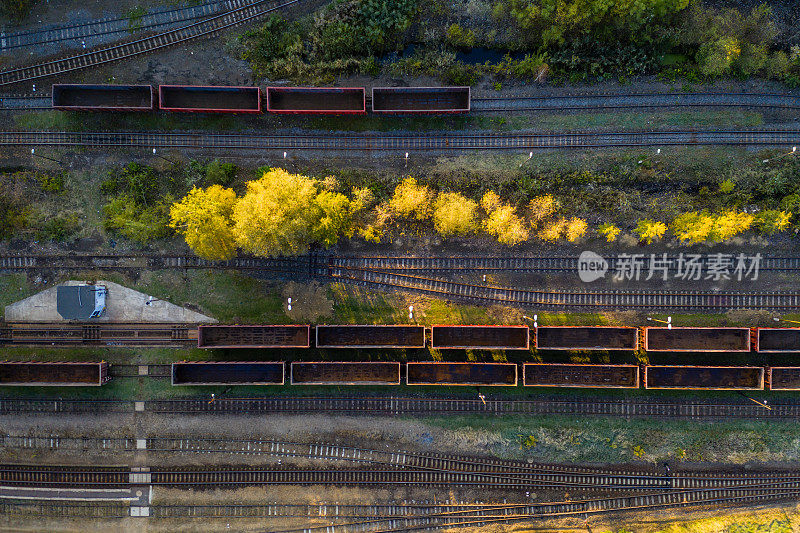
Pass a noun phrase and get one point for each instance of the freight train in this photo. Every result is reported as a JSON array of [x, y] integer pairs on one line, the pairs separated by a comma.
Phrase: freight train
[[279, 100], [421, 373]]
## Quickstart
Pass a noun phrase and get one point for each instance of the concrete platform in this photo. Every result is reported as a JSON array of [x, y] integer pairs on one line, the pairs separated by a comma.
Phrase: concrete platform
[[122, 305]]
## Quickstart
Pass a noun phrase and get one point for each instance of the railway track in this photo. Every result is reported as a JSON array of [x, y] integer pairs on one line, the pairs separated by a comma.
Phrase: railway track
[[620, 101], [509, 103], [321, 264], [101, 334], [571, 299], [469, 474], [205, 28], [420, 142], [397, 406], [108, 27]]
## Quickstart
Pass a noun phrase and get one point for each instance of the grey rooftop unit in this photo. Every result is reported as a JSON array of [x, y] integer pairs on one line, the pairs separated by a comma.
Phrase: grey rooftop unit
[[81, 302]]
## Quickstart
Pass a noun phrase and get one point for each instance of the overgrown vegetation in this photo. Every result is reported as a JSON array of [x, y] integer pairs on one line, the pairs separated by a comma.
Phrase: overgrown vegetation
[[139, 196], [16, 10], [625, 198], [22, 210], [566, 39]]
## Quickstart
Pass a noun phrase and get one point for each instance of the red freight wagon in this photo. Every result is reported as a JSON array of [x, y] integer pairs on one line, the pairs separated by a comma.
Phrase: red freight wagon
[[254, 336]]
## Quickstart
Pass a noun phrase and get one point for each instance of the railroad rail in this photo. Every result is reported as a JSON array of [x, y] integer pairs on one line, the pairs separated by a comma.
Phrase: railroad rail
[[422, 142], [205, 28], [115, 25]]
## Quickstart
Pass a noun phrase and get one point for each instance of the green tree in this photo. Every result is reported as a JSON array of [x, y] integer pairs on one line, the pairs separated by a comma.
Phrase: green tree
[[453, 214], [205, 218]]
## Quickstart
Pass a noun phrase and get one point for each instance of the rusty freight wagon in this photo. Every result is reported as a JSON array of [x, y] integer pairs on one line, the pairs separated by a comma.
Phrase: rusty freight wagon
[[777, 340], [480, 337], [420, 100], [345, 373], [57, 374], [704, 377], [574, 375], [354, 336], [466, 374], [697, 339], [784, 378], [227, 373], [268, 336], [209, 99], [317, 100], [586, 338], [103, 97]]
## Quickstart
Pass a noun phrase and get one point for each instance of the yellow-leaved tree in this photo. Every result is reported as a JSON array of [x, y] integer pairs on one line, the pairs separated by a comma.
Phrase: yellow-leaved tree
[[454, 214], [282, 213], [204, 218], [502, 220], [412, 200]]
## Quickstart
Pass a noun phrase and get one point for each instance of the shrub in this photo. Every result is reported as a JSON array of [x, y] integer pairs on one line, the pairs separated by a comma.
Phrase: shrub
[[542, 207], [459, 37], [125, 216], [13, 217], [553, 231], [648, 230], [453, 214], [490, 201], [609, 231], [16, 10], [574, 229], [697, 227], [506, 226], [220, 173], [771, 221], [412, 200], [53, 183], [58, 228]]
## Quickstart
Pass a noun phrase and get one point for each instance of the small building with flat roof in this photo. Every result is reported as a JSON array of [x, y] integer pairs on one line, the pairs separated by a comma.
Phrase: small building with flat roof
[[81, 302]]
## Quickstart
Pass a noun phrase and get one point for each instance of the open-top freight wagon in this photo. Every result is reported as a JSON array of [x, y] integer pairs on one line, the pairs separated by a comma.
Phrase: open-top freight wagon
[[687, 339], [53, 374], [103, 97], [586, 338]]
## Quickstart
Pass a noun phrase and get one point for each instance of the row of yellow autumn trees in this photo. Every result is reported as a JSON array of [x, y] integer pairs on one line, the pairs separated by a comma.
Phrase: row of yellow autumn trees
[[282, 214]]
